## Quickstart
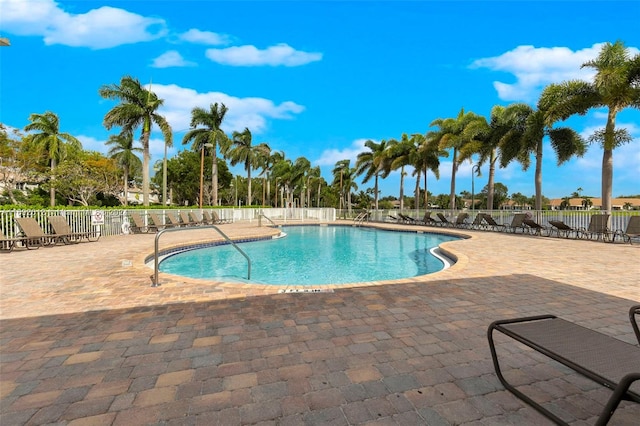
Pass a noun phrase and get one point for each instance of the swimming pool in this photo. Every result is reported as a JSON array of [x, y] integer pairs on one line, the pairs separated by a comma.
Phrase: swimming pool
[[311, 255]]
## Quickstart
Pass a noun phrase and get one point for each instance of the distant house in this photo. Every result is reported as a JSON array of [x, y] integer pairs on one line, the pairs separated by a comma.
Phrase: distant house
[[596, 204]]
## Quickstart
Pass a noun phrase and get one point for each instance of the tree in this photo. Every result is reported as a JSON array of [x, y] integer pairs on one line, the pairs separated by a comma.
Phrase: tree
[[50, 142], [503, 133], [241, 151], [373, 163], [298, 176], [451, 135], [138, 108], [123, 152], [530, 127], [344, 176], [81, 181], [209, 133], [616, 86]]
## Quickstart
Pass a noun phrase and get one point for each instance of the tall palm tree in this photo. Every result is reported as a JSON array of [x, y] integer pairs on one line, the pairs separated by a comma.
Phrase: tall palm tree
[[51, 142], [138, 107], [427, 158], [241, 151], [344, 176], [265, 163], [451, 135], [123, 152], [616, 86], [530, 127], [373, 163], [209, 133], [282, 171], [299, 172], [490, 139], [314, 177]]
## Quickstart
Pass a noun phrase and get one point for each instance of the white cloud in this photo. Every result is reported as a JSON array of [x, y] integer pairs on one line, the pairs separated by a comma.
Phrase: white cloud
[[280, 54], [253, 113], [330, 157], [205, 37], [535, 68], [171, 58], [89, 143], [100, 28]]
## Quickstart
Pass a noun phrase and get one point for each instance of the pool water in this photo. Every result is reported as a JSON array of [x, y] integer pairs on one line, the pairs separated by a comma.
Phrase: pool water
[[311, 255]]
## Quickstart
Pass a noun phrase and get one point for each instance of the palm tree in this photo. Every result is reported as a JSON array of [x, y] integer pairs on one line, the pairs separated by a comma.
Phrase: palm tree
[[451, 135], [298, 177], [373, 163], [49, 141], [138, 108], [616, 86], [344, 175], [428, 158], [265, 162], [241, 151], [123, 152], [209, 133], [491, 139], [527, 139]]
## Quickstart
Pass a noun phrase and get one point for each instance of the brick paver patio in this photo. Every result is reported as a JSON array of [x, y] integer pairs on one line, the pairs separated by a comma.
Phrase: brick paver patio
[[85, 339]]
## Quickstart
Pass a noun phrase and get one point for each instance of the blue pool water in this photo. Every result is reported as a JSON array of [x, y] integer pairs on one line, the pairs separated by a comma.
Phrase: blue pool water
[[311, 255]]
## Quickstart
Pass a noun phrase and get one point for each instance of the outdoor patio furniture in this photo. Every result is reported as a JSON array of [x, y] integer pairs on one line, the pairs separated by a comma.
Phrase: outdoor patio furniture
[[477, 222], [197, 220], [461, 221], [632, 232], [608, 361], [62, 229], [534, 227], [158, 223], [633, 313], [598, 228], [492, 224], [444, 221], [172, 219], [428, 220], [407, 219], [7, 244], [34, 236], [562, 229], [186, 219], [217, 220], [139, 225]]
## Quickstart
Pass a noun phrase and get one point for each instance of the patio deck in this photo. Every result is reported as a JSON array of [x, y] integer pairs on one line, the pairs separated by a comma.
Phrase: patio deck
[[85, 339]]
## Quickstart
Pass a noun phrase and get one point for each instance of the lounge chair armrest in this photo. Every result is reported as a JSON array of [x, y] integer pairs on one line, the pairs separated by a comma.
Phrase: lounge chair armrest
[[634, 313]]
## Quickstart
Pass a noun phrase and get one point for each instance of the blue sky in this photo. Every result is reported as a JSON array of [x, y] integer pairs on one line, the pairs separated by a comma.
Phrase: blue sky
[[317, 79]]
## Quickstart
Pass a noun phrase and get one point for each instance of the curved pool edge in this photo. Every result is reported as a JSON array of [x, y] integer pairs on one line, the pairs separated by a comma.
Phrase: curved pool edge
[[459, 261]]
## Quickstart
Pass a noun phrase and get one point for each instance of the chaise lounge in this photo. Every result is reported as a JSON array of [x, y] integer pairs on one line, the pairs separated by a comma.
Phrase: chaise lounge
[[608, 361], [632, 232], [34, 236], [562, 229]]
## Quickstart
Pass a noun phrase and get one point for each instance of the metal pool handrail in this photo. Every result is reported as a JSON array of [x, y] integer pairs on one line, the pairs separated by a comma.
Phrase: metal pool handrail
[[265, 216], [154, 281]]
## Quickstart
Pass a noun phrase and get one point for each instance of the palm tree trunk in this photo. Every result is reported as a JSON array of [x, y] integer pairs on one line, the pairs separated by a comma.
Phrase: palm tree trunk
[[426, 193], [248, 185], [52, 190], [607, 179], [126, 187], [416, 192], [492, 173], [607, 160], [214, 176], [376, 194], [401, 188], [454, 168], [538, 176], [146, 157]]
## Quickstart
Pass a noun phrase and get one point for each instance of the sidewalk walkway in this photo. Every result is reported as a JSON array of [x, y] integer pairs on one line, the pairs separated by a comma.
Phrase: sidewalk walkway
[[85, 339]]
